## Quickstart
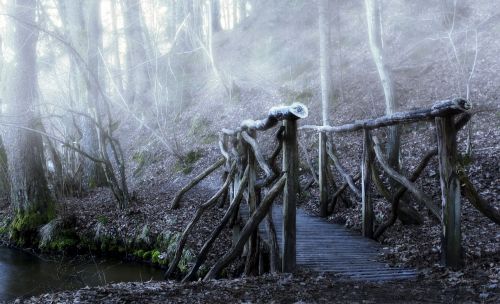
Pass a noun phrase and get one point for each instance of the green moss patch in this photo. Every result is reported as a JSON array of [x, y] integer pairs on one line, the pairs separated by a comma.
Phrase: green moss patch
[[23, 229]]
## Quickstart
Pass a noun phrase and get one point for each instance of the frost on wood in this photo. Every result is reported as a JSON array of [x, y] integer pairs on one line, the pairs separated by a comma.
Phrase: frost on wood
[[295, 111]]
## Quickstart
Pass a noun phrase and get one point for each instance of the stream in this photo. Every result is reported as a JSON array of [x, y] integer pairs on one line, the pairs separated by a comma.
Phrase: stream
[[23, 274]]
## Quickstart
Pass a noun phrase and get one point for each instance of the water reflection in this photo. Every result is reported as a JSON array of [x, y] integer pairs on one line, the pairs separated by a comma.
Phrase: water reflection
[[22, 274]]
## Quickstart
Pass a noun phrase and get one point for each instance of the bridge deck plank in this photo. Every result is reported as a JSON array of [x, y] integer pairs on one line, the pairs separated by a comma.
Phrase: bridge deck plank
[[331, 248]]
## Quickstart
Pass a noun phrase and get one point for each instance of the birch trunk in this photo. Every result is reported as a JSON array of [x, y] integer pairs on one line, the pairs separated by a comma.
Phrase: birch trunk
[[373, 15]]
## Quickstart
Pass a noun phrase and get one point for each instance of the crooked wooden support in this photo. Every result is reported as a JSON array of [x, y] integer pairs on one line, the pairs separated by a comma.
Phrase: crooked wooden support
[[239, 153], [176, 201], [340, 190], [290, 166], [394, 199], [209, 204], [366, 202], [273, 243], [323, 184], [419, 195], [233, 207], [348, 178], [451, 250], [250, 226], [253, 242], [249, 137]]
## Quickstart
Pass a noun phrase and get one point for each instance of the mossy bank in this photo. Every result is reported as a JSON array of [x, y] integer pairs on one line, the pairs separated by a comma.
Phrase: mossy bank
[[60, 237]]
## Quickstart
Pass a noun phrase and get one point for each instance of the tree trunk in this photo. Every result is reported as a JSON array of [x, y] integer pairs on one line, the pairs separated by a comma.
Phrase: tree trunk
[[325, 67], [118, 78], [30, 196], [4, 174], [326, 89], [82, 25], [373, 15], [93, 171], [138, 78]]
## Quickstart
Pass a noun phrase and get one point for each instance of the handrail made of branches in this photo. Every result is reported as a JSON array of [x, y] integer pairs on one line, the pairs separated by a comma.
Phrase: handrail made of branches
[[296, 110], [439, 109]]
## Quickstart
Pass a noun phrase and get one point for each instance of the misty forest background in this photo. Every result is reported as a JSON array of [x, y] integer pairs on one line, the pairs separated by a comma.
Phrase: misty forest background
[[109, 106]]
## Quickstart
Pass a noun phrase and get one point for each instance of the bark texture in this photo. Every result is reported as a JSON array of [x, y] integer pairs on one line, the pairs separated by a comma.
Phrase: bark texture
[[30, 195]]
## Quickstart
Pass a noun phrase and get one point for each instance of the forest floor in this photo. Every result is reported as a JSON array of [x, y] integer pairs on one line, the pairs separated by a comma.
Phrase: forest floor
[[302, 287]]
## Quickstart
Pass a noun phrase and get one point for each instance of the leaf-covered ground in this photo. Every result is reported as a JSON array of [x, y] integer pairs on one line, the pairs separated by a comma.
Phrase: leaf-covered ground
[[299, 288]]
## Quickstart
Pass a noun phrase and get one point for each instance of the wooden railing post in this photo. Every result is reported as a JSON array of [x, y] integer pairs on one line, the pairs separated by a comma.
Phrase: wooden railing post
[[366, 203], [290, 166], [323, 184], [252, 253], [236, 184], [450, 193]]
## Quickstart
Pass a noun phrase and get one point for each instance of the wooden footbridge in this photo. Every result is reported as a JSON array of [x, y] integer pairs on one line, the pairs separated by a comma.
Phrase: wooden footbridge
[[331, 248], [280, 237]]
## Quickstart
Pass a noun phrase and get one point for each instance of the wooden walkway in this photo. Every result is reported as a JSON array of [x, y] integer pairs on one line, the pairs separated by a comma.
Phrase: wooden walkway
[[328, 247]]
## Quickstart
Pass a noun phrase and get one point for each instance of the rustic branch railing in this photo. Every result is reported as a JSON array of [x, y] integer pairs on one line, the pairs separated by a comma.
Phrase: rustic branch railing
[[443, 114], [439, 109], [247, 172]]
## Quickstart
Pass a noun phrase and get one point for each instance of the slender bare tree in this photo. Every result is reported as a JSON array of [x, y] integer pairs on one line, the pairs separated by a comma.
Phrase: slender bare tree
[[373, 15], [326, 92]]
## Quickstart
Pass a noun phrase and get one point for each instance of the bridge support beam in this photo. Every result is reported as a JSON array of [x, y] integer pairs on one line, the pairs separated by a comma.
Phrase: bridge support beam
[[451, 249], [366, 202], [252, 245], [290, 166], [323, 167]]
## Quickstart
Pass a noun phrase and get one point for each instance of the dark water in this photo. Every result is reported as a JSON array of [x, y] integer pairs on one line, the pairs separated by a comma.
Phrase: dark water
[[22, 274]]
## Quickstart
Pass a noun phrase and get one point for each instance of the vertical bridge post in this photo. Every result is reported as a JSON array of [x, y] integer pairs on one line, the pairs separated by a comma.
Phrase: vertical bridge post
[[450, 193], [237, 145], [323, 185], [252, 245], [290, 166], [366, 202]]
